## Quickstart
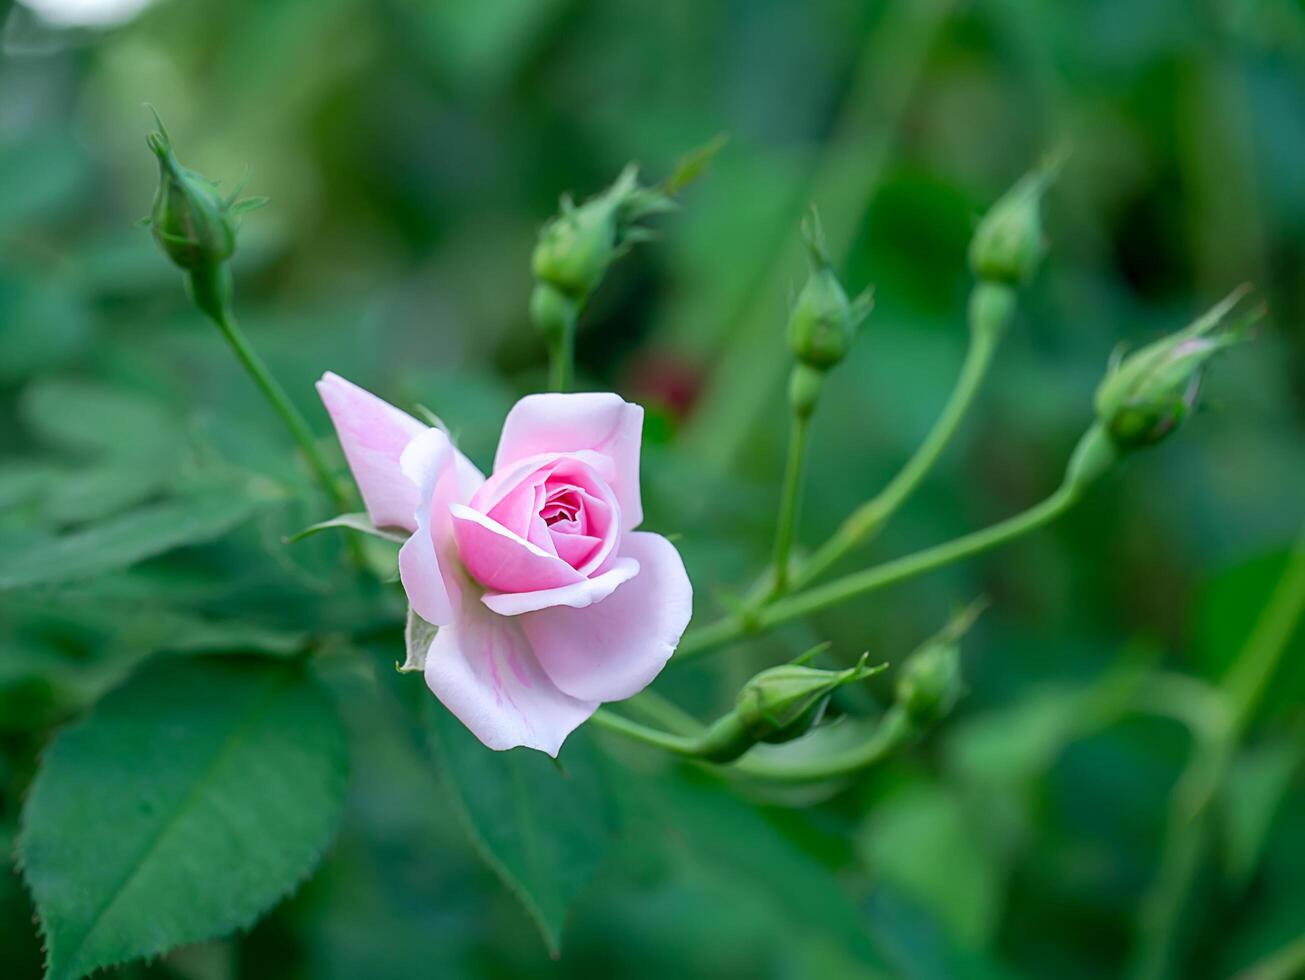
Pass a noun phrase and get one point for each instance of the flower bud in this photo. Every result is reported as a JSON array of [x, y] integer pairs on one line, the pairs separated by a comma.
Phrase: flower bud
[[823, 321], [785, 702], [1148, 394], [1008, 244], [193, 224], [576, 247], [930, 683]]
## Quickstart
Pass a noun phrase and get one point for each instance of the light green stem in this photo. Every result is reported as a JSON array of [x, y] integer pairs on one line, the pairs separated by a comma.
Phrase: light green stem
[[678, 744], [868, 519], [561, 360], [790, 500], [704, 639], [893, 730], [210, 289], [1188, 830]]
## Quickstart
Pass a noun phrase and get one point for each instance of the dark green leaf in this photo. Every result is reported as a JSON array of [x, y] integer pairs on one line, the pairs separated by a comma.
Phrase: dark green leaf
[[543, 826], [124, 540], [184, 806]]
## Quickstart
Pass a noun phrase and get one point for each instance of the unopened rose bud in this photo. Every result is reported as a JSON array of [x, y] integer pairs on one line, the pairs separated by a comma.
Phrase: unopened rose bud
[[823, 321], [192, 222], [1148, 394], [785, 702], [1008, 244], [930, 682], [576, 247]]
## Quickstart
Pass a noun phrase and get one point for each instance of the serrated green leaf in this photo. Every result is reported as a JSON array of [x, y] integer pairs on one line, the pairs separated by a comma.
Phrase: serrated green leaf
[[182, 808], [124, 540], [543, 826]]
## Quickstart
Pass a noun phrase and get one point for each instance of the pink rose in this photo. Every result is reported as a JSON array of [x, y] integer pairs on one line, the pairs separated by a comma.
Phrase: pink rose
[[547, 599]]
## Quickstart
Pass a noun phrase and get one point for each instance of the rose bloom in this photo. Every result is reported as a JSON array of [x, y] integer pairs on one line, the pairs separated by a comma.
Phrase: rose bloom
[[547, 599]]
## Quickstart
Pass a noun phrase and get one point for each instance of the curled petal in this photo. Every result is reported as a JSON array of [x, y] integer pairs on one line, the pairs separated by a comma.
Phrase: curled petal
[[373, 434], [614, 648], [602, 423], [504, 561], [577, 595], [482, 669]]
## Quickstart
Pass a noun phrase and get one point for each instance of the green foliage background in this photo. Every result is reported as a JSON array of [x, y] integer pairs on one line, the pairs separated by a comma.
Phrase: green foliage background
[[411, 149]]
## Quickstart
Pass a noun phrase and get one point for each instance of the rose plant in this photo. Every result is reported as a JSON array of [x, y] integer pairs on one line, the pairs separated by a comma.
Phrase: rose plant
[[534, 599]]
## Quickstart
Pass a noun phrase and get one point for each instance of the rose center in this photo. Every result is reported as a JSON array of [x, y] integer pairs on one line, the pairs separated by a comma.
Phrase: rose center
[[561, 505]]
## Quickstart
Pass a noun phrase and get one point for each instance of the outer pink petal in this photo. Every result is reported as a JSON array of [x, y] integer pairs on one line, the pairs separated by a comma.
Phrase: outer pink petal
[[503, 561], [482, 669], [583, 593], [614, 648], [600, 422], [428, 463], [373, 434]]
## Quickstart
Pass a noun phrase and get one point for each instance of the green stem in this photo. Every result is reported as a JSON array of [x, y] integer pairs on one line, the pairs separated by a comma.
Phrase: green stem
[[678, 744], [561, 360], [700, 641], [211, 289], [718, 744], [1247, 678], [868, 519], [790, 499], [895, 729], [1188, 830]]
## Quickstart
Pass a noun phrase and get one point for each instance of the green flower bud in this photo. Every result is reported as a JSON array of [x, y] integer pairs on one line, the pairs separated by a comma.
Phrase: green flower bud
[[785, 702], [1008, 244], [193, 224], [930, 683], [576, 247], [1148, 394], [823, 321]]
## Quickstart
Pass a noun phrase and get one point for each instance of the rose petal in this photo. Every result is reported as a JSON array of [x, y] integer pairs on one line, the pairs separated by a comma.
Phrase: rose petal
[[598, 422], [431, 588], [373, 434], [614, 648], [577, 595], [503, 561], [482, 669]]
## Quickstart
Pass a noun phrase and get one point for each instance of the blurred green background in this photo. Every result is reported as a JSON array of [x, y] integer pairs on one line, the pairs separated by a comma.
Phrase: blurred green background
[[411, 149]]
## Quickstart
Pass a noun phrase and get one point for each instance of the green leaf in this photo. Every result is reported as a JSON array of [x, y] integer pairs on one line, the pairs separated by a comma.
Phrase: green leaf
[[543, 826], [124, 540], [184, 806], [354, 522], [922, 841], [87, 417]]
